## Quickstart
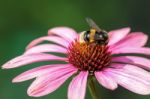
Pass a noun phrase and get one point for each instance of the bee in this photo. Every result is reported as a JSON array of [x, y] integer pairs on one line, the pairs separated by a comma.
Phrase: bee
[[94, 35]]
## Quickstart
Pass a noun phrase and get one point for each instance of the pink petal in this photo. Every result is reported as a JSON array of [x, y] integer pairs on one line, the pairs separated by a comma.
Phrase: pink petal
[[136, 39], [49, 82], [36, 72], [105, 80], [64, 32], [77, 87], [135, 60], [135, 50], [28, 59], [117, 35], [54, 39], [46, 48], [134, 71], [132, 78]]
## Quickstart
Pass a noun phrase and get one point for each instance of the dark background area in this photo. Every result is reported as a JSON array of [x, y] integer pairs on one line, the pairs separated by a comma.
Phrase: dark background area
[[21, 21]]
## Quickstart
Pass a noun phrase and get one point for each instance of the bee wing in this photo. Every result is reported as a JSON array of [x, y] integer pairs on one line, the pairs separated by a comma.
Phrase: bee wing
[[92, 24]]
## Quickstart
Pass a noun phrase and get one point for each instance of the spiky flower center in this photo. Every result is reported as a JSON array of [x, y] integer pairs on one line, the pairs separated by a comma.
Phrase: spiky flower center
[[89, 56]]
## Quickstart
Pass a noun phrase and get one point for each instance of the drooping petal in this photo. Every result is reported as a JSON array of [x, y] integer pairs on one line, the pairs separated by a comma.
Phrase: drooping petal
[[77, 87], [36, 72], [132, 70], [28, 59], [132, 84], [132, 78], [135, 50], [105, 80], [49, 82], [54, 39], [117, 35], [135, 60], [135, 39], [46, 48], [64, 32]]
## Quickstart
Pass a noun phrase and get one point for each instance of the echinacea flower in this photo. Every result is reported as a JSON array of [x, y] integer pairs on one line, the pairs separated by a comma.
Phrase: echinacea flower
[[115, 64]]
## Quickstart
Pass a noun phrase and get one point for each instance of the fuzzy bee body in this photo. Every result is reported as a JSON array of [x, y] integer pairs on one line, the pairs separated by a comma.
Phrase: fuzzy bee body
[[94, 35]]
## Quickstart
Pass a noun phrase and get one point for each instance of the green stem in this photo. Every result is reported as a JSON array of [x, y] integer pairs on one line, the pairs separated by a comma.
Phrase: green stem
[[92, 89]]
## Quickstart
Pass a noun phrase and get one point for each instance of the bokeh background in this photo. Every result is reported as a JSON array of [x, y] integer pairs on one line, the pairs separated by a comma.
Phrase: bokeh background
[[24, 20]]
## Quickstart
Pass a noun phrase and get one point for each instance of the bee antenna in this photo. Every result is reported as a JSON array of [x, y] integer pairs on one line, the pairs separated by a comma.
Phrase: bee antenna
[[92, 24]]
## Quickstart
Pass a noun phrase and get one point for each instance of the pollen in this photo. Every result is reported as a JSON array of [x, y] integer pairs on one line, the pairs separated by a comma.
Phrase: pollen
[[89, 56]]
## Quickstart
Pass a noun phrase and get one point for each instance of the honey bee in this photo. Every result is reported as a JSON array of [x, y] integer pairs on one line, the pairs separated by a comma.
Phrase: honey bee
[[94, 35]]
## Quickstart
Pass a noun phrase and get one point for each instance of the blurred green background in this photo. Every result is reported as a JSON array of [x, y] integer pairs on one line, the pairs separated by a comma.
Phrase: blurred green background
[[24, 20]]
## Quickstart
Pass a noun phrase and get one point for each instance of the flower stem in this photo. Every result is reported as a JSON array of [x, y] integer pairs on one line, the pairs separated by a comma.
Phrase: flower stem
[[92, 88]]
